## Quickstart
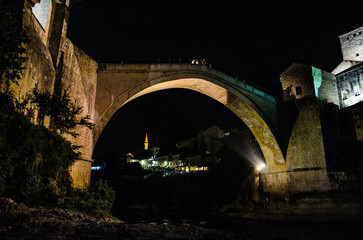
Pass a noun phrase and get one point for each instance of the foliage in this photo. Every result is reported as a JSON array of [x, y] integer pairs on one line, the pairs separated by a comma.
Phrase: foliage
[[11, 39], [64, 114], [34, 165], [34, 161], [96, 202]]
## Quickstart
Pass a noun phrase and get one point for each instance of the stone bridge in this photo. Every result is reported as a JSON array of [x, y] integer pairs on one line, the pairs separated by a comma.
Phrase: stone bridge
[[118, 84], [55, 63]]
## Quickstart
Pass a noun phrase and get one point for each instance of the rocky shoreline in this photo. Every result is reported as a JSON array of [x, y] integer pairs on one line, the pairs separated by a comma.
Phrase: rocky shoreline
[[18, 221]]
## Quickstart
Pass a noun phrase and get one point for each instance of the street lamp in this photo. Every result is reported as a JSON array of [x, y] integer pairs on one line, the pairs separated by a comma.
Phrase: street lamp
[[260, 166]]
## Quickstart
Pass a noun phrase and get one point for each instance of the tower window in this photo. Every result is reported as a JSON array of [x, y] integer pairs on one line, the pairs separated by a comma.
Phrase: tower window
[[344, 94], [298, 90], [356, 90]]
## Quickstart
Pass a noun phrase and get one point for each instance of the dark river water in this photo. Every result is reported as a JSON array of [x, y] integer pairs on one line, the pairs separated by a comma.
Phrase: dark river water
[[266, 229]]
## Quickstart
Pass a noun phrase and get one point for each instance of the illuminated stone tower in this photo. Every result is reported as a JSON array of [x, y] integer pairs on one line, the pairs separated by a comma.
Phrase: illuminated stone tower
[[146, 144], [352, 45]]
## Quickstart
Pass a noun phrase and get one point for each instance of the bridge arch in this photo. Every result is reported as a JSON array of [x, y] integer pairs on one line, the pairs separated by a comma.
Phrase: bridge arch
[[116, 88]]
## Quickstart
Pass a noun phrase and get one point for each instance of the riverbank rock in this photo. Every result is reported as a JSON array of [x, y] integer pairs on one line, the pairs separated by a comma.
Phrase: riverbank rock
[[21, 222], [12, 213]]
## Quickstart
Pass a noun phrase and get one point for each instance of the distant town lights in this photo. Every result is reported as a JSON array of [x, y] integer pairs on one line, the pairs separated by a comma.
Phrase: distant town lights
[[260, 166]]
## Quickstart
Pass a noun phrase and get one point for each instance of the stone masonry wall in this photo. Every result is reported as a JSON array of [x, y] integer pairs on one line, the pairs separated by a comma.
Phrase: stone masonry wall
[[295, 182], [306, 148], [38, 68], [295, 77], [79, 78], [328, 91], [351, 44], [358, 120], [299, 81]]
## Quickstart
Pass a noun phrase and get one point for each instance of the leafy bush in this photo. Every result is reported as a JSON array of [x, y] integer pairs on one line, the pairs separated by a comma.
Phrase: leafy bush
[[34, 161], [64, 114], [96, 202]]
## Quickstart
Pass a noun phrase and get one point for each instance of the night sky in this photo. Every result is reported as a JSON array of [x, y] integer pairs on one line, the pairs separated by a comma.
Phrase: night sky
[[251, 40]]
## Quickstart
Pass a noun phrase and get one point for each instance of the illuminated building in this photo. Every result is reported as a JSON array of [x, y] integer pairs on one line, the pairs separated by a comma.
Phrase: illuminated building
[[341, 87], [349, 73], [324, 108], [129, 157]]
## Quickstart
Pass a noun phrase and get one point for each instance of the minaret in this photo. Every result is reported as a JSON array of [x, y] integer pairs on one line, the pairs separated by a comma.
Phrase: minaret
[[146, 144]]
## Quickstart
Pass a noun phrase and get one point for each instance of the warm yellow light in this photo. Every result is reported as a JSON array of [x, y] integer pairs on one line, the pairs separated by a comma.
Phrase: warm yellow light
[[260, 166], [146, 144]]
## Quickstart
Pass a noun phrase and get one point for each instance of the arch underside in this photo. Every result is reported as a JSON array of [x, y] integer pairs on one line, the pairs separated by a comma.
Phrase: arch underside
[[243, 107]]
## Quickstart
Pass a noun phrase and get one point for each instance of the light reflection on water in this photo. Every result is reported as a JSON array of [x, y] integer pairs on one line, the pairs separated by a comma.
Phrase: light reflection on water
[[167, 221]]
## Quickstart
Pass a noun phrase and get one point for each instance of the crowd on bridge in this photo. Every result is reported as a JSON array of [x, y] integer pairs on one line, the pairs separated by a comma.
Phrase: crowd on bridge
[[201, 62]]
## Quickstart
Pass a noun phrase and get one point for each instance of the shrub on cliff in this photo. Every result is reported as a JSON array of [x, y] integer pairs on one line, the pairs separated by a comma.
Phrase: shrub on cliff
[[34, 161], [96, 202]]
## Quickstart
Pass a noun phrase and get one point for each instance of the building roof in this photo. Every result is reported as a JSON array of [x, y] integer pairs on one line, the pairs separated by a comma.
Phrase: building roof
[[345, 65], [357, 65]]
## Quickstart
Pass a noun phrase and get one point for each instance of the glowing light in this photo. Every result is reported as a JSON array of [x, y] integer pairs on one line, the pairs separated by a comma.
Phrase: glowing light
[[96, 168], [146, 144], [316, 73], [260, 166]]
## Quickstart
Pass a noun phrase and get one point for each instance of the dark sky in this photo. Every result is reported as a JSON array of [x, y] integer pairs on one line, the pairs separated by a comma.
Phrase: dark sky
[[255, 40], [252, 40]]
